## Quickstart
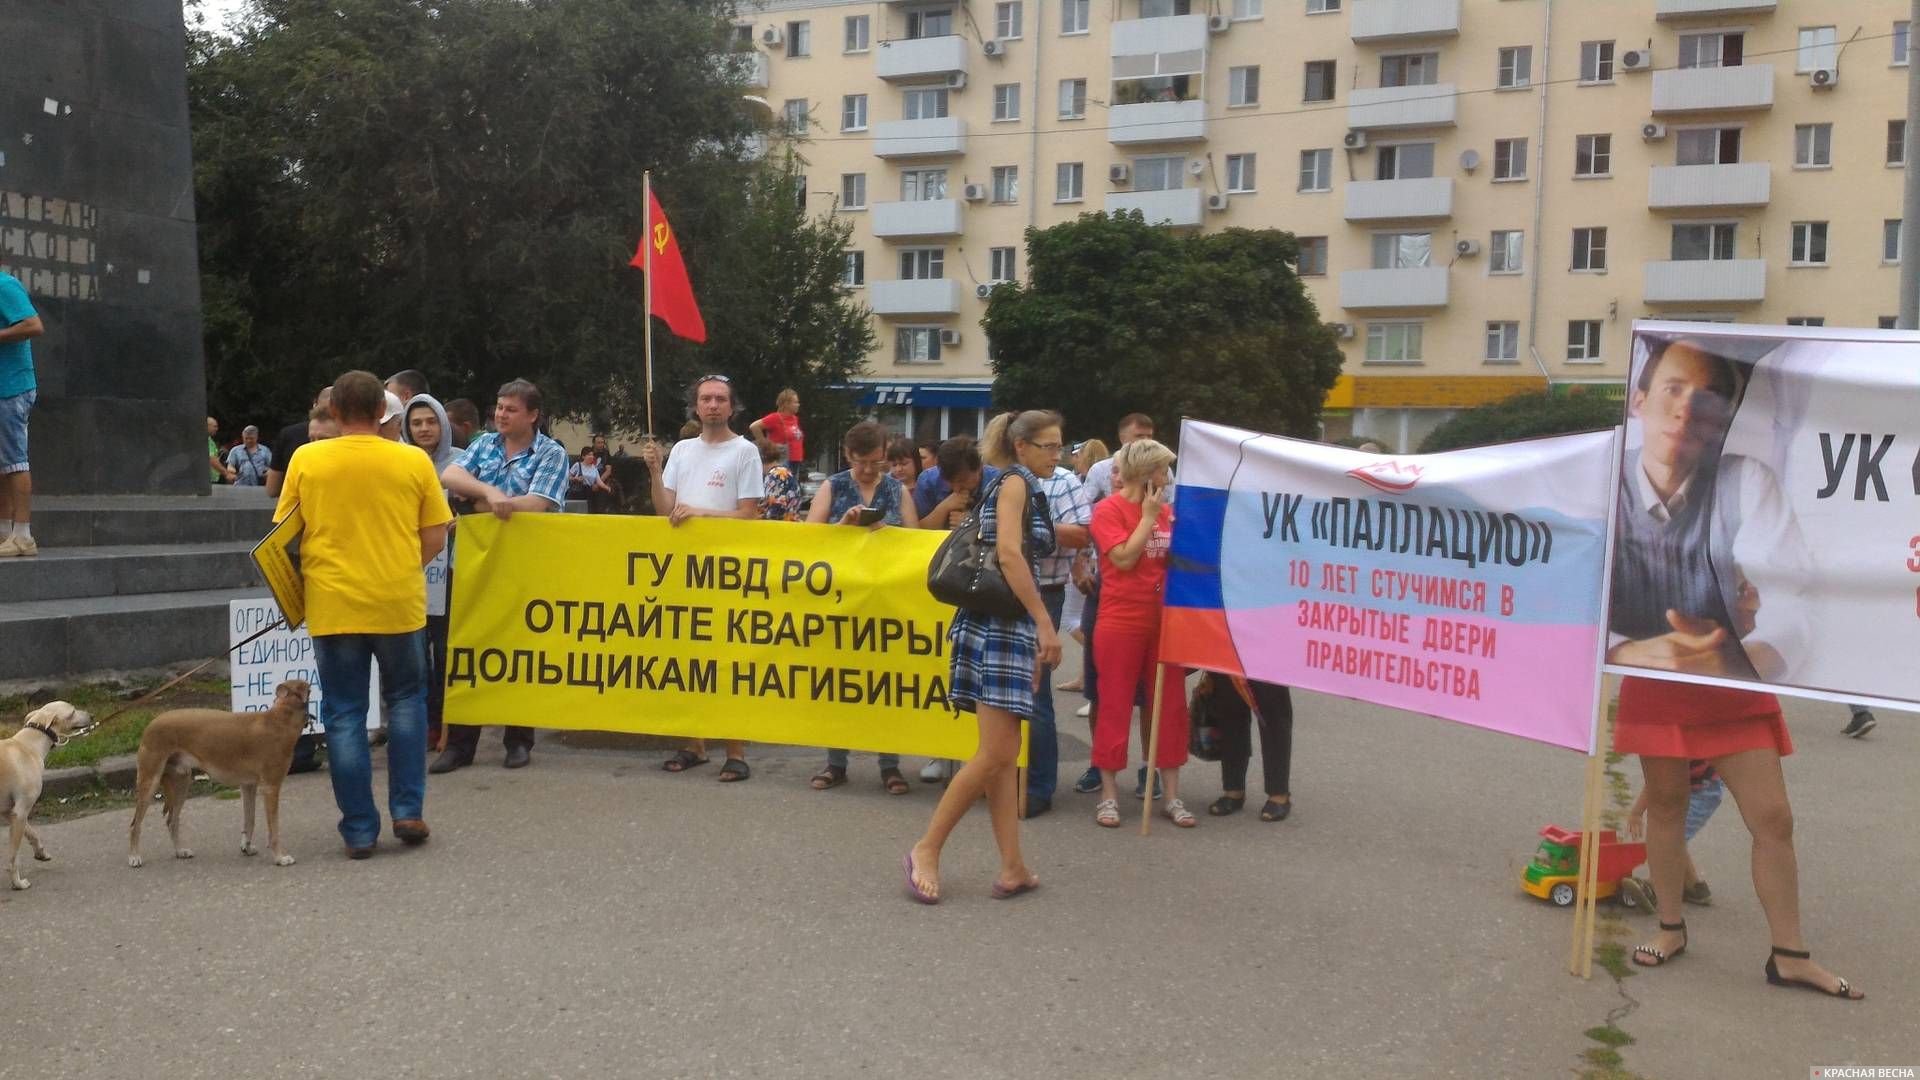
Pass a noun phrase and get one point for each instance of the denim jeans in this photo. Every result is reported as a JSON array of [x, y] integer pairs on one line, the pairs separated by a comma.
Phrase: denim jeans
[[344, 661], [1043, 736], [837, 759], [1702, 803]]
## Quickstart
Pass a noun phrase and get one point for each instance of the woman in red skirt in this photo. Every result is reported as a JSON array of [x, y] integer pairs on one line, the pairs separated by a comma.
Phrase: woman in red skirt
[[1743, 734]]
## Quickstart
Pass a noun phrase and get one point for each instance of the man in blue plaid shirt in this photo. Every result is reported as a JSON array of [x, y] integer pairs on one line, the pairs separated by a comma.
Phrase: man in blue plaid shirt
[[511, 469], [1067, 501]]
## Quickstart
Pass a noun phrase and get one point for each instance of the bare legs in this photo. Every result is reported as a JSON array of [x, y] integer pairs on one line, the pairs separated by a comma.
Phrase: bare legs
[[1666, 794], [16, 497], [991, 772]]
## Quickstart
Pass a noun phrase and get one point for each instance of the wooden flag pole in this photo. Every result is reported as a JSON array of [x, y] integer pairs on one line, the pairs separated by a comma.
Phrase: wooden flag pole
[[646, 269], [1589, 872], [1596, 779], [1153, 748], [1597, 745]]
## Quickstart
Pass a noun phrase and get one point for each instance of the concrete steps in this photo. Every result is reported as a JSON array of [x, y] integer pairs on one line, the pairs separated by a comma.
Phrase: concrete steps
[[127, 570]]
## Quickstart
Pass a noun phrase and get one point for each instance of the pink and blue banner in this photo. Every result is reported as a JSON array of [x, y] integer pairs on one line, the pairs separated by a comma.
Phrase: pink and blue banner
[[1467, 585]]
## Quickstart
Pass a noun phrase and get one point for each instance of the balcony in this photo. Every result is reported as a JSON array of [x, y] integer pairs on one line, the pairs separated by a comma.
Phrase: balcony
[[756, 70], [1749, 86], [1401, 20], [1157, 122], [1706, 281], [1414, 287], [1387, 108], [1178, 207], [944, 136], [1393, 200], [920, 58], [933, 217], [1687, 9], [932, 296], [1170, 35], [1688, 187]]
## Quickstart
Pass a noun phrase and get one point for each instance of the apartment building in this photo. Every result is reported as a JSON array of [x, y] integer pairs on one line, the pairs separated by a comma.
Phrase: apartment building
[[1488, 192]]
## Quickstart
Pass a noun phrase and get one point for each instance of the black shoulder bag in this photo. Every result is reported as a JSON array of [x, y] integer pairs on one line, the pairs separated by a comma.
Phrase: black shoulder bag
[[966, 572]]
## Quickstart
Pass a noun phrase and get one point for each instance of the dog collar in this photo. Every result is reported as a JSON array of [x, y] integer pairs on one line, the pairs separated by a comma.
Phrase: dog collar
[[48, 732]]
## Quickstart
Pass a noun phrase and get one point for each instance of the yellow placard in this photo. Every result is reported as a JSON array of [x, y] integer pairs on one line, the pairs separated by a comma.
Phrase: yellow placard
[[274, 556], [816, 635]]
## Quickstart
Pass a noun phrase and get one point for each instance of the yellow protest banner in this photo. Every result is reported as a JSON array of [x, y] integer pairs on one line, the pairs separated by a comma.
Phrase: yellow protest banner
[[274, 556], [817, 635]]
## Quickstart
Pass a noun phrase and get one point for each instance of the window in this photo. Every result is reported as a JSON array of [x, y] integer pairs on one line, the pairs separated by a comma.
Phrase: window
[[1412, 69], [916, 345], [1402, 251], [1516, 67], [1806, 320], [930, 23], [1509, 159], [1707, 146], [1593, 155], [1889, 322], [1073, 16], [923, 185], [1503, 343], [1696, 243], [1816, 49], [800, 193], [1243, 86], [859, 29], [854, 274], [1900, 31], [923, 264], [1240, 172], [800, 38], [1809, 243], [743, 37], [853, 191], [1890, 240], [1073, 99], [1896, 142], [1069, 180], [1160, 9], [1247, 9], [1006, 102], [853, 112], [1712, 50], [796, 116], [1319, 81], [1596, 61], [1000, 260], [1008, 17], [1394, 343], [1589, 249], [1159, 173], [1006, 183], [1813, 146], [1507, 253], [1405, 161], [1322, 7], [1583, 340], [924, 102], [1316, 170], [1313, 256]]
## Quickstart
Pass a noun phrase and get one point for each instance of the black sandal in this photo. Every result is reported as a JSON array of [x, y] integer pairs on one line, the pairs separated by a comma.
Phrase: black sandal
[[830, 777], [895, 783], [1276, 811], [1662, 957], [1774, 978], [682, 761], [734, 771], [1226, 804]]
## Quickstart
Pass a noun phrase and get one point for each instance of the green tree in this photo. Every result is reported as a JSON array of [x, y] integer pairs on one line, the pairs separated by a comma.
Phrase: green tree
[[1524, 416], [1119, 316]]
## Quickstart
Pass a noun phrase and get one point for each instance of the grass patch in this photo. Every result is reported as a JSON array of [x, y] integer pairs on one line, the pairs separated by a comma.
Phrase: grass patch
[[121, 735], [1609, 1036], [100, 799], [1613, 956], [1602, 1057]]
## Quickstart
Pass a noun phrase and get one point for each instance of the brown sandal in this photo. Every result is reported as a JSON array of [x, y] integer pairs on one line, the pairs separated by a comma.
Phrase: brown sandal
[[895, 783], [830, 777]]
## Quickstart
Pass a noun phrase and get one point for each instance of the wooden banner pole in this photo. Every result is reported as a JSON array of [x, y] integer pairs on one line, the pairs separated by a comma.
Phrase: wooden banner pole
[[1153, 749]]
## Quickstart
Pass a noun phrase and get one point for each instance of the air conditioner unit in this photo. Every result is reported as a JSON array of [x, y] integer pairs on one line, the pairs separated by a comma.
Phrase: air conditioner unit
[[1198, 166], [1653, 131], [1341, 330], [1355, 140], [1118, 174], [1824, 78], [957, 80], [1636, 60], [982, 291], [1217, 24], [950, 337], [772, 36], [1466, 248], [974, 192], [992, 48], [1216, 202]]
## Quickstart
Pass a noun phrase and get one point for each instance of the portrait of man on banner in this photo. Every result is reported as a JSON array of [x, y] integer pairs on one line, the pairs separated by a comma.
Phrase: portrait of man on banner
[[1710, 566]]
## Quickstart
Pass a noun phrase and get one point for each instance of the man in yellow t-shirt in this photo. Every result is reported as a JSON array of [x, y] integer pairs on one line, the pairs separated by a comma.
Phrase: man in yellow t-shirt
[[374, 517]]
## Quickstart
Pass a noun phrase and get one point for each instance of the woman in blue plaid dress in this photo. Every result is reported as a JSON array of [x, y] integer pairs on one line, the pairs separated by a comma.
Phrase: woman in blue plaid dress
[[997, 663]]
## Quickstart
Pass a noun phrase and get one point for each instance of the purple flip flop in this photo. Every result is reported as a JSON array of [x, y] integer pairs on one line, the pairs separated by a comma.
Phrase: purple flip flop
[[914, 890], [1001, 892]]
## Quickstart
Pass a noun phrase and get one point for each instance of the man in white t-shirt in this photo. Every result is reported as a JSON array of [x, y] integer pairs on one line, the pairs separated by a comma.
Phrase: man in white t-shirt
[[715, 475]]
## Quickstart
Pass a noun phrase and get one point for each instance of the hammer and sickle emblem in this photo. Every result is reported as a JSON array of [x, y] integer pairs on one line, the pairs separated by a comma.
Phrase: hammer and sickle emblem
[[661, 236]]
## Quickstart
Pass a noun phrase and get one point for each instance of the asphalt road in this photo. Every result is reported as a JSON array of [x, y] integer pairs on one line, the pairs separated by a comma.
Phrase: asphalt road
[[593, 916]]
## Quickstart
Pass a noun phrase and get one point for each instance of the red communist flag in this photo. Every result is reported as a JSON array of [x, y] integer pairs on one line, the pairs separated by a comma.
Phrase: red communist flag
[[672, 291]]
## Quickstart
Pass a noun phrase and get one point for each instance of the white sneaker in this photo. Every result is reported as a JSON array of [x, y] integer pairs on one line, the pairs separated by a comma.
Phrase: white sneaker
[[1084, 711], [14, 545], [935, 771]]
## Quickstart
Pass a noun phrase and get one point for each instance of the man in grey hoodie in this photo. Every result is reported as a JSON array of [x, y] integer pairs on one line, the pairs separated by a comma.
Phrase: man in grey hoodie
[[426, 427]]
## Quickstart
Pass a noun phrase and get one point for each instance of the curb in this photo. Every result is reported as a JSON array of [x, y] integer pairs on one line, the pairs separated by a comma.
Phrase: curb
[[113, 772]]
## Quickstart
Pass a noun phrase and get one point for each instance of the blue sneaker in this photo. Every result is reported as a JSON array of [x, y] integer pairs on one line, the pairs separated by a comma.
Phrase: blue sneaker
[[1140, 784], [1089, 781]]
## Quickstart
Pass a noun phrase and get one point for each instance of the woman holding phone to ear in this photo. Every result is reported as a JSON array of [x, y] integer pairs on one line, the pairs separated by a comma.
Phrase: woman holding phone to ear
[[864, 494]]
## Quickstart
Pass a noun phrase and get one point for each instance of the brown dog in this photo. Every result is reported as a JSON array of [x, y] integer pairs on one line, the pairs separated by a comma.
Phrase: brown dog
[[248, 750], [23, 761]]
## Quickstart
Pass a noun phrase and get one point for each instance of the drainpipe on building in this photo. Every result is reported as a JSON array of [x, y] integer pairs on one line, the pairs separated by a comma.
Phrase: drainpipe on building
[[1033, 152], [1910, 211], [1540, 195]]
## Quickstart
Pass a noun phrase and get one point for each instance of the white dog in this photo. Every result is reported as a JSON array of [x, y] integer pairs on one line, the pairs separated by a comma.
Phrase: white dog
[[23, 760]]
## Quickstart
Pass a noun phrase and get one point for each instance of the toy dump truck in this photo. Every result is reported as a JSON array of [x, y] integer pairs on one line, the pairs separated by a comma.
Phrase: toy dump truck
[[1554, 873]]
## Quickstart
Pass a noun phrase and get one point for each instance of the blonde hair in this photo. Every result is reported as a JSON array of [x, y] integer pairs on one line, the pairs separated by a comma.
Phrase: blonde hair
[[1091, 452], [784, 397], [997, 445], [1140, 459]]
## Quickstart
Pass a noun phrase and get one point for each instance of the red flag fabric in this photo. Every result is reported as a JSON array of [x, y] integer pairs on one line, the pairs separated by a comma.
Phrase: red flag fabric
[[673, 299]]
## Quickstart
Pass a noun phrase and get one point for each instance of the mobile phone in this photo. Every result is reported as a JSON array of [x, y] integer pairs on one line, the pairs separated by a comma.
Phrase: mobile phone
[[869, 516]]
